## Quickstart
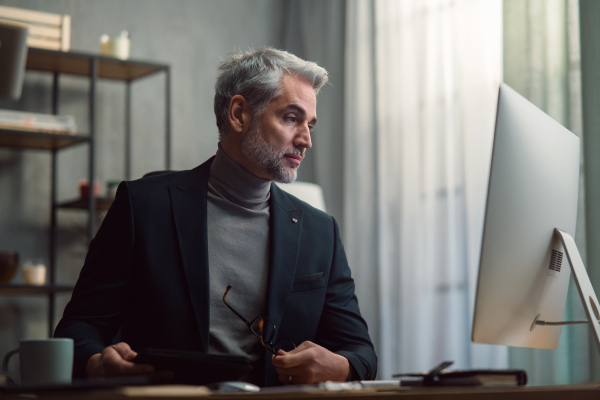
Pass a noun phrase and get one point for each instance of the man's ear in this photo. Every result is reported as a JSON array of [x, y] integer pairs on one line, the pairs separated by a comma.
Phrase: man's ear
[[238, 114]]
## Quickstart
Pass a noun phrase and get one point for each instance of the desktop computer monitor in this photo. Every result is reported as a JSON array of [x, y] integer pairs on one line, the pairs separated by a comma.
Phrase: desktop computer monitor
[[533, 189]]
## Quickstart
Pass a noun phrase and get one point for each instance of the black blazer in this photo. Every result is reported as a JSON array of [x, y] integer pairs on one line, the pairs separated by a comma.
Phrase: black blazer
[[146, 272]]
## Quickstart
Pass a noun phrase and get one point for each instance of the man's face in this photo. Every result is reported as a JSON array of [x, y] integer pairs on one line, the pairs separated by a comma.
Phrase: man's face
[[276, 142]]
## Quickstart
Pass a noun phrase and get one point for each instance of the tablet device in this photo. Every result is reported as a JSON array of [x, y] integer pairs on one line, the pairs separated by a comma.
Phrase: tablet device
[[195, 368]]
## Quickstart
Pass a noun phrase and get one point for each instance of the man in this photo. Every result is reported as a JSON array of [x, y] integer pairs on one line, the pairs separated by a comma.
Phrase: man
[[171, 245]]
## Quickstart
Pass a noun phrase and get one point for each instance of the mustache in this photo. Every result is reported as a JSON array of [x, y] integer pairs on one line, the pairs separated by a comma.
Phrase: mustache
[[296, 152]]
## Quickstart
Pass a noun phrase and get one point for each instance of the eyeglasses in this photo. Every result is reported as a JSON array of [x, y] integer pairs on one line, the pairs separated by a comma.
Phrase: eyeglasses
[[264, 330]]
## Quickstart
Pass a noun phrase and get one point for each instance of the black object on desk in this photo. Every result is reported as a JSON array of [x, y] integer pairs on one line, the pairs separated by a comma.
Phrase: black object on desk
[[439, 376], [195, 368]]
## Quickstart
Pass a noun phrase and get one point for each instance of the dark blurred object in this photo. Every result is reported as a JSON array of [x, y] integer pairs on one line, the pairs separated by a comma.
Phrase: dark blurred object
[[111, 188], [9, 263], [84, 189], [13, 55]]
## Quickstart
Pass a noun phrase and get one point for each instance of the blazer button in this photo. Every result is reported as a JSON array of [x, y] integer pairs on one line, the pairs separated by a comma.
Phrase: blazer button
[[294, 220]]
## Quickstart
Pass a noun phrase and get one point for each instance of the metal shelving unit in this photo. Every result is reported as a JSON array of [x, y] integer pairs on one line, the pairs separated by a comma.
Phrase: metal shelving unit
[[93, 67]]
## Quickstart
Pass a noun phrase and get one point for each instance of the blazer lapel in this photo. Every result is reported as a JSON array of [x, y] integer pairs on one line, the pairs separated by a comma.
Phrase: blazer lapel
[[188, 198], [286, 228]]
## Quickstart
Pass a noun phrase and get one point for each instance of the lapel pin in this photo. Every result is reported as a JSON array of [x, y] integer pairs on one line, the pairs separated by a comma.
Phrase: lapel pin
[[294, 220]]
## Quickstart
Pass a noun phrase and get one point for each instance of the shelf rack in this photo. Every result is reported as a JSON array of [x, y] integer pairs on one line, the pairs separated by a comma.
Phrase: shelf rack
[[94, 67]]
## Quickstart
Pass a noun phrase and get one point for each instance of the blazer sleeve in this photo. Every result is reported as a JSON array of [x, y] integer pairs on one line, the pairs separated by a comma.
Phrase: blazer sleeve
[[98, 303], [341, 327]]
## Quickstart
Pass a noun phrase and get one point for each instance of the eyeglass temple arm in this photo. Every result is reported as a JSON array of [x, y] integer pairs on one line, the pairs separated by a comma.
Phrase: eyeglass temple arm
[[267, 346], [231, 308]]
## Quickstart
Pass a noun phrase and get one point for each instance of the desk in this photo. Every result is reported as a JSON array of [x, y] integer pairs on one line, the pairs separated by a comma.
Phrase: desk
[[165, 392]]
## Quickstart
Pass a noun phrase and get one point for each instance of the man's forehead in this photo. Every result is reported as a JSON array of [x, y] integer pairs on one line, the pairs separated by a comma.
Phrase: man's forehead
[[297, 93]]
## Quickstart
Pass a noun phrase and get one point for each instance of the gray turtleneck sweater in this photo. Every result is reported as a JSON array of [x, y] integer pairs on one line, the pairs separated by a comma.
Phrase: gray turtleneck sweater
[[238, 255]]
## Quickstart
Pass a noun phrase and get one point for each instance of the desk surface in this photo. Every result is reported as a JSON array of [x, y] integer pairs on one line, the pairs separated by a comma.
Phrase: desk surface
[[579, 392]]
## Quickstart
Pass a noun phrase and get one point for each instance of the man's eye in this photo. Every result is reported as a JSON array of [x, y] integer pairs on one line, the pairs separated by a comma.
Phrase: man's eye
[[290, 118], [311, 128]]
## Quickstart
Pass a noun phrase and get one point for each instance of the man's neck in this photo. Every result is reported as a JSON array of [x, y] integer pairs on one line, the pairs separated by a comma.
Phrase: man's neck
[[235, 183]]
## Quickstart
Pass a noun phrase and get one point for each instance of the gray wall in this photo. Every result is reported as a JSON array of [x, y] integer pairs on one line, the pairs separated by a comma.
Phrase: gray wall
[[191, 36]]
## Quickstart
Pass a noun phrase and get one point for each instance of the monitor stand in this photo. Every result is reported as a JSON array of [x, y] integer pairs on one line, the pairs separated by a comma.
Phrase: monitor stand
[[584, 286]]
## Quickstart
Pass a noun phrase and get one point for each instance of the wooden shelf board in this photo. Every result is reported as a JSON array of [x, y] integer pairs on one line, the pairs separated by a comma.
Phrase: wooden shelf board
[[102, 203], [20, 289], [76, 63], [39, 140]]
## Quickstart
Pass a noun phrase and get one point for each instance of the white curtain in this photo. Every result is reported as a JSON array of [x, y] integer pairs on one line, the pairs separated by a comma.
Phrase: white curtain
[[421, 87]]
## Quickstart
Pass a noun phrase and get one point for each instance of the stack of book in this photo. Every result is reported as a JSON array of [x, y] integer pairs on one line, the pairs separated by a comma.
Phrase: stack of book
[[32, 122]]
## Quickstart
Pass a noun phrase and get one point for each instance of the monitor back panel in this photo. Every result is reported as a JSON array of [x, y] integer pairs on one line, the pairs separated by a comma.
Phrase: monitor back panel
[[533, 188]]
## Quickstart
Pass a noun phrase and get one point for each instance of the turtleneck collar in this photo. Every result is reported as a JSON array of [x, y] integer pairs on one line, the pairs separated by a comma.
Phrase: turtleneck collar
[[236, 184]]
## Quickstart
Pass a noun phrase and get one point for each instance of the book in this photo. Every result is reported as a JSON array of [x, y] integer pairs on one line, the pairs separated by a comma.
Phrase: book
[[34, 122]]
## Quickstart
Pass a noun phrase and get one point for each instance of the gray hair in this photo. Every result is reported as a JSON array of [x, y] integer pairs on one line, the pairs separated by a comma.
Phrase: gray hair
[[256, 75]]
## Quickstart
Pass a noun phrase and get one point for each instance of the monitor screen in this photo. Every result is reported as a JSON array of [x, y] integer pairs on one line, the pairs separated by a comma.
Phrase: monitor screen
[[533, 189]]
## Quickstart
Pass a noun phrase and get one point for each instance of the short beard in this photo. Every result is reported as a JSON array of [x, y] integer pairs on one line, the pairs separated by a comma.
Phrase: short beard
[[261, 154]]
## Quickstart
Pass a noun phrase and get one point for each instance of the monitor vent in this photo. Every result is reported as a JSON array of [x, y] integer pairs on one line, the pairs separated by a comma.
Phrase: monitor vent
[[556, 260]]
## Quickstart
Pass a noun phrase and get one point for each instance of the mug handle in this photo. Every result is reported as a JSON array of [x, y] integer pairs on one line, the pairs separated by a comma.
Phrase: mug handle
[[6, 360]]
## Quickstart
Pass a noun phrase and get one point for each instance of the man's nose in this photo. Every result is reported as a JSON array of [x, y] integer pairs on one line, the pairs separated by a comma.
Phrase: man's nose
[[304, 139]]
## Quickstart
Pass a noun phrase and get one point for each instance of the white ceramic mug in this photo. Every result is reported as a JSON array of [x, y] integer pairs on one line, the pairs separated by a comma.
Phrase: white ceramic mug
[[43, 361]]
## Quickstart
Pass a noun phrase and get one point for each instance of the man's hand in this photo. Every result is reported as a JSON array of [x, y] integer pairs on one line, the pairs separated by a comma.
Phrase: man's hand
[[115, 360], [310, 363]]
